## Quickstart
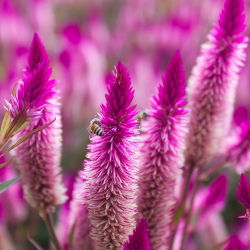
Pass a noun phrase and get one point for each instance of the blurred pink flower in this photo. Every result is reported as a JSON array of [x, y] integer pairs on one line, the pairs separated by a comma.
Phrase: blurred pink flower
[[213, 82], [243, 193], [238, 146], [234, 243], [79, 220], [12, 204], [139, 239]]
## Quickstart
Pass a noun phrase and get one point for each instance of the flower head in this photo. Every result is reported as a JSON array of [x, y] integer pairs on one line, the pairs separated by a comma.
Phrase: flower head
[[109, 186], [36, 89], [213, 82], [161, 153], [139, 239], [39, 156]]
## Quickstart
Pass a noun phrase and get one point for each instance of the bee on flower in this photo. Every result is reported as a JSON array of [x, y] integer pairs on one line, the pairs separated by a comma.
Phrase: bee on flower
[[95, 127]]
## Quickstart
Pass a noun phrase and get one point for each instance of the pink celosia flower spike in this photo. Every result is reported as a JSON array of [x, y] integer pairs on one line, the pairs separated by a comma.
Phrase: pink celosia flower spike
[[161, 156], [213, 82], [35, 90], [110, 175], [39, 156], [243, 193], [139, 239]]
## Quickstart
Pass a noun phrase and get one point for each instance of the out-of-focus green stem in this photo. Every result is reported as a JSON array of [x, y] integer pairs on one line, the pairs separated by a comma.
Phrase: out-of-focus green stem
[[49, 224]]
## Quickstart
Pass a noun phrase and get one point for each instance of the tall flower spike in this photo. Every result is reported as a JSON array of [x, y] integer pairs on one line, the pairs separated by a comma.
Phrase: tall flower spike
[[139, 239], [213, 82], [161, 153], [39, 156], [243, 193], [110, 176]]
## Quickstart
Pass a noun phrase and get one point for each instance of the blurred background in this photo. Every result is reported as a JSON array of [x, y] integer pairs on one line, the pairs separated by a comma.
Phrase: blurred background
[[85, 39]]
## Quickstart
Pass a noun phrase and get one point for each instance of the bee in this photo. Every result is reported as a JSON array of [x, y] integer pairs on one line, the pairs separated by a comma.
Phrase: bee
[[142, 115], [95, 127]]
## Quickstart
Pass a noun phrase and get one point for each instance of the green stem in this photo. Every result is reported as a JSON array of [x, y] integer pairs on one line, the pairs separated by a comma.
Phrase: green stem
[[49, 224]]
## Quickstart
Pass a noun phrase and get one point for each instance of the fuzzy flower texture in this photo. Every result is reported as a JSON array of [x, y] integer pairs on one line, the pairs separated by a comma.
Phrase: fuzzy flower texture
[[161, 156], [109, 176], [212, 84], [39, 156]]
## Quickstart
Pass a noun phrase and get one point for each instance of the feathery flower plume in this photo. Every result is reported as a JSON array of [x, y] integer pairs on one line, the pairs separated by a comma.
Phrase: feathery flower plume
[[234, 243], [35, 89], [39, 156], [161, 156], [139, 239], [110, 176], [213, 82], [243, 193]]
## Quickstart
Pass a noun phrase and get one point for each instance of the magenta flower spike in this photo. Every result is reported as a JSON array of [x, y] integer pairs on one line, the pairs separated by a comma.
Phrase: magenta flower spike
[[243, 193], [213, 82], [139, 239], [161, 155], [38, 157], [110, 175], [36, 89], [234, 243]]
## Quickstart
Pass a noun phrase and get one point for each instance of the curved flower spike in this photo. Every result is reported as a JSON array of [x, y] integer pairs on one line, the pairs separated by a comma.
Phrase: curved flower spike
[[213, 82], [110, 176], [39, 156]]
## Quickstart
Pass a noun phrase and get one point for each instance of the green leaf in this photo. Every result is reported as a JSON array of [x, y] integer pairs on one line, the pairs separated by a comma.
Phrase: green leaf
[[71, 235], [25, 137], [5, 185], [178, 213], [5, 124]]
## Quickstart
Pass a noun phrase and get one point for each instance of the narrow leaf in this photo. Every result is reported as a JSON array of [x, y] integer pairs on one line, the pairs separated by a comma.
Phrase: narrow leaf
[[5, 124], [34, 243], [25, 137], [5, 185]]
